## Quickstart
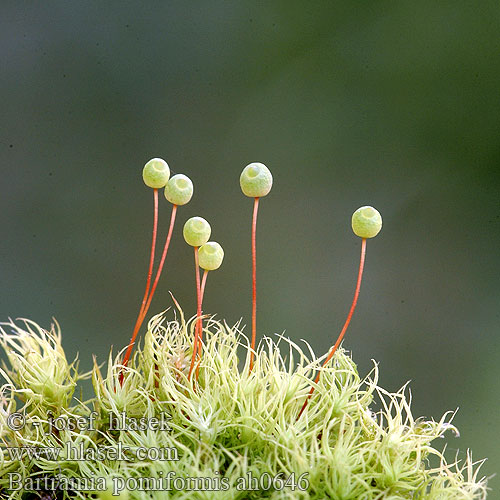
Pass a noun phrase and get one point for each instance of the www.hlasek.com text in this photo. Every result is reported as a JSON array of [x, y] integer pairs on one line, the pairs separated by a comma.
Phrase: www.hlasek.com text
[[70, 452]]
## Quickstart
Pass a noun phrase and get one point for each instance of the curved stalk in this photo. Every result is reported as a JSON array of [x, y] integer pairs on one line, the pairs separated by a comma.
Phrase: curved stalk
[[346, 324]]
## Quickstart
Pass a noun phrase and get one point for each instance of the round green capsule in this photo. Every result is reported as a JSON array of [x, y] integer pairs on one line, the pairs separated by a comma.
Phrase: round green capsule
[[210, 256], [179, 189], [196, 231], [256, 180], [156, 173], [366, 222]]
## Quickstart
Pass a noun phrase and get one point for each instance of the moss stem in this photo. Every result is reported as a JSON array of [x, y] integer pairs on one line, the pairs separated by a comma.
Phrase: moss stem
[[198, 312], [140, 320], [346, 324], [151, 263], [254, 281], [200, 320], [153, 249]]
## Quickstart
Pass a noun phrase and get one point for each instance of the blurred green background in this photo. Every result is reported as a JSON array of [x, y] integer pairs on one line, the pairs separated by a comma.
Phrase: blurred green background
[[393, 104]]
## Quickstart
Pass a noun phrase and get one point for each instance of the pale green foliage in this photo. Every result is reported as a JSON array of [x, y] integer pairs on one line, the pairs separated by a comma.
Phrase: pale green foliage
[[196, 231], [179, 189], [211, 256], [366, 222], [355, 440], [156, 173], [256, 180], [38, 366]]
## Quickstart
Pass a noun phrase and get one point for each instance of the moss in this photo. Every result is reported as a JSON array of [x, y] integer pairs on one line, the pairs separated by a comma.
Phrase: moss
[[230, 431]]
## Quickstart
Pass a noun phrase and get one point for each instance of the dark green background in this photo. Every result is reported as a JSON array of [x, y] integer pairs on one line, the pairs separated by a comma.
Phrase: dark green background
[[393, 104]]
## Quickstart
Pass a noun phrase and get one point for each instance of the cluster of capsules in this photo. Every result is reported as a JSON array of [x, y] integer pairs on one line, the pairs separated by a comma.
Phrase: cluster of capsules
[[256, 181]]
